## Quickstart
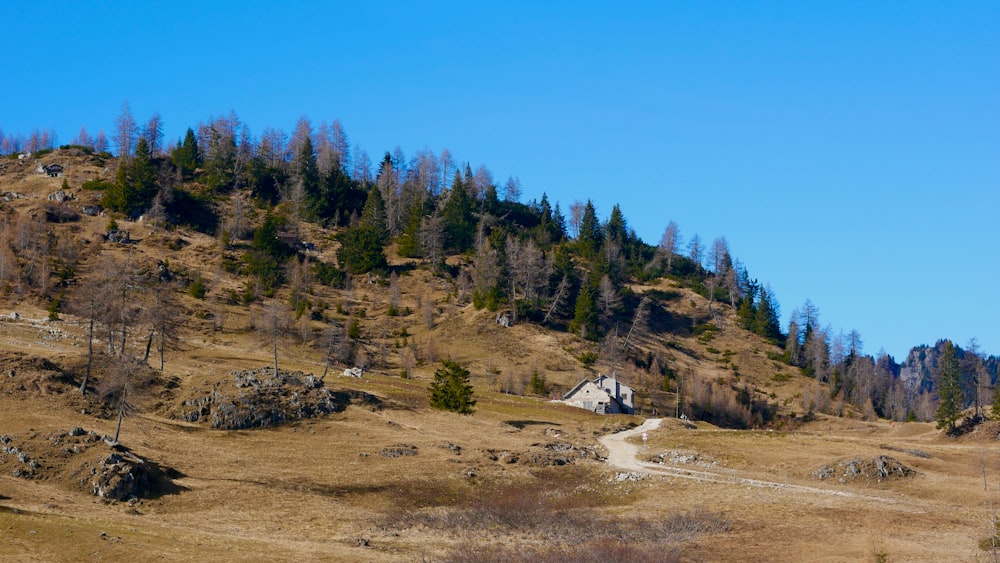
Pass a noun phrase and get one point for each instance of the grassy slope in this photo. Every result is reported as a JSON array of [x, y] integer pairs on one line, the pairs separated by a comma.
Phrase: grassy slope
[[320, 489]]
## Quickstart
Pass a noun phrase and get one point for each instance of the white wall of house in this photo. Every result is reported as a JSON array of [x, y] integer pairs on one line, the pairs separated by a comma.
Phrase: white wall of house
[[592, 398]]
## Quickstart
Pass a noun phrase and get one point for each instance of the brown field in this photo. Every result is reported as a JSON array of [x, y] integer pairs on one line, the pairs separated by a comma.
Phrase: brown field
[[494, 486]]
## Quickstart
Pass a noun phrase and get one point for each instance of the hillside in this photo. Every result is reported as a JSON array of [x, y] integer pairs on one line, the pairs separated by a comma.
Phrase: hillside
[[313, 465]]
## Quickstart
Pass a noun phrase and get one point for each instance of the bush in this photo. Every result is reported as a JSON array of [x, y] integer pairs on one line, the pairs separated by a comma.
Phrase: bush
[[329, 275], [197, 289]]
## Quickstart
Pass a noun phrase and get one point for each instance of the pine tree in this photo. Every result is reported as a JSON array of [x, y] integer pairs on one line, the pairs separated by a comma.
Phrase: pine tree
[[585, 313], [589, 240], [451, 389], [373, 216], [307, 171], [459, 223], [949, 388]]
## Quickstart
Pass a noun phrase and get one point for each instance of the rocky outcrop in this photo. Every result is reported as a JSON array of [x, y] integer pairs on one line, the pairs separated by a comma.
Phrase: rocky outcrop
[[121, 476], [879, 468], [545, 455], [259, 398]]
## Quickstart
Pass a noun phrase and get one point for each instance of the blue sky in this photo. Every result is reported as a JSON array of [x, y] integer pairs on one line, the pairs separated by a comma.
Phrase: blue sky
[[849, 152]]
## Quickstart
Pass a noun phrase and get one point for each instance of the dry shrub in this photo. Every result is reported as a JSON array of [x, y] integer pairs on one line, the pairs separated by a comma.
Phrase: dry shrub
[[559, 510], [602, 550]]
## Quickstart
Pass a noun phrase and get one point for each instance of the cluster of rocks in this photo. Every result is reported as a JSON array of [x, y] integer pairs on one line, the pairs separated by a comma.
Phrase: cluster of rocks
[[25, 467], [879, 468], [683, 457], [60, 196], [260, 398], [121, 476], [399, 450], [113, 474], [630, 476], [545, 455]]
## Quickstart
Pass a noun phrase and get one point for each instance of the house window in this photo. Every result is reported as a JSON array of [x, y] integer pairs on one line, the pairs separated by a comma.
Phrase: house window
[[589, 405]]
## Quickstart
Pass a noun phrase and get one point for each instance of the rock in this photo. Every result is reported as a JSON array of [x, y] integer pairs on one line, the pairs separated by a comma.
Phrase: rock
[[121, 476], [260, 398], [59, 196], [77, 431], [879, 468], [629, 476], [453, 447], [399, 450]]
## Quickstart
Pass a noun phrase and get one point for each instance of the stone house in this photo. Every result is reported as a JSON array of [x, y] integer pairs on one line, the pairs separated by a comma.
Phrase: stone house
[[604, 394]]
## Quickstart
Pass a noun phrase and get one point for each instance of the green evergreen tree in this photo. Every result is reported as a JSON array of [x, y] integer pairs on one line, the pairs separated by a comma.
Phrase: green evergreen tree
[[186, 157], [307, 171], [452, 389], [459, 221], [143, 175], [409, 241], [949, 388], [589, 241], [746, 313], [135, 183], [538, 384], [765, 319], [361, 251], [616, 229], [220, 165], [373, 215], [585, 315]]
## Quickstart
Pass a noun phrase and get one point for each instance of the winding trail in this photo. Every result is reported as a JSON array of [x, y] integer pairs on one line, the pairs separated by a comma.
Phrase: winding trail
[[622, 454]]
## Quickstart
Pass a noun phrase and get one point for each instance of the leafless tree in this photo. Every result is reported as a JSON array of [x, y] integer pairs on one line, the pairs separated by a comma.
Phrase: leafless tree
[[340, 145], [82, 138], [163, 314], [90, 301], [432, 239], [486, 268], [512, 189], [696, 251], [126, 132], [576, 217], [529, 268], [670, 242], [101, 142], [303, 131], [394, 292], [447, 165], [639, 320], [558, 298], [427, 306], [153, 132], [608, 298], [361, 171], [273, 326], [124, 383]]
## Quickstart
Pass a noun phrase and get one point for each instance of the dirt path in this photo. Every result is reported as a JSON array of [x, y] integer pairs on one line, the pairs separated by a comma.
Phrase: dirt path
[[622, 454]]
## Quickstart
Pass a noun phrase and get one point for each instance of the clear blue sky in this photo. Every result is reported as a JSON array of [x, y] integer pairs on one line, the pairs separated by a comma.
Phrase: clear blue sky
[[849, 152]]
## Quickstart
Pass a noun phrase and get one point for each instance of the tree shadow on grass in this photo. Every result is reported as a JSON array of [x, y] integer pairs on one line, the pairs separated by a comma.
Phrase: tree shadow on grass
[[520, 424]]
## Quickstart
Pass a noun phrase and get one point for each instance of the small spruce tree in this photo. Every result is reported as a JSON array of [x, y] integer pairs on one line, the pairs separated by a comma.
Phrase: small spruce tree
[[451, 389], [949, 389]]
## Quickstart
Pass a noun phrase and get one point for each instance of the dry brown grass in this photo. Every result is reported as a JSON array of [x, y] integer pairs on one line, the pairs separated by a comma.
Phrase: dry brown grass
[[321, 489]]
